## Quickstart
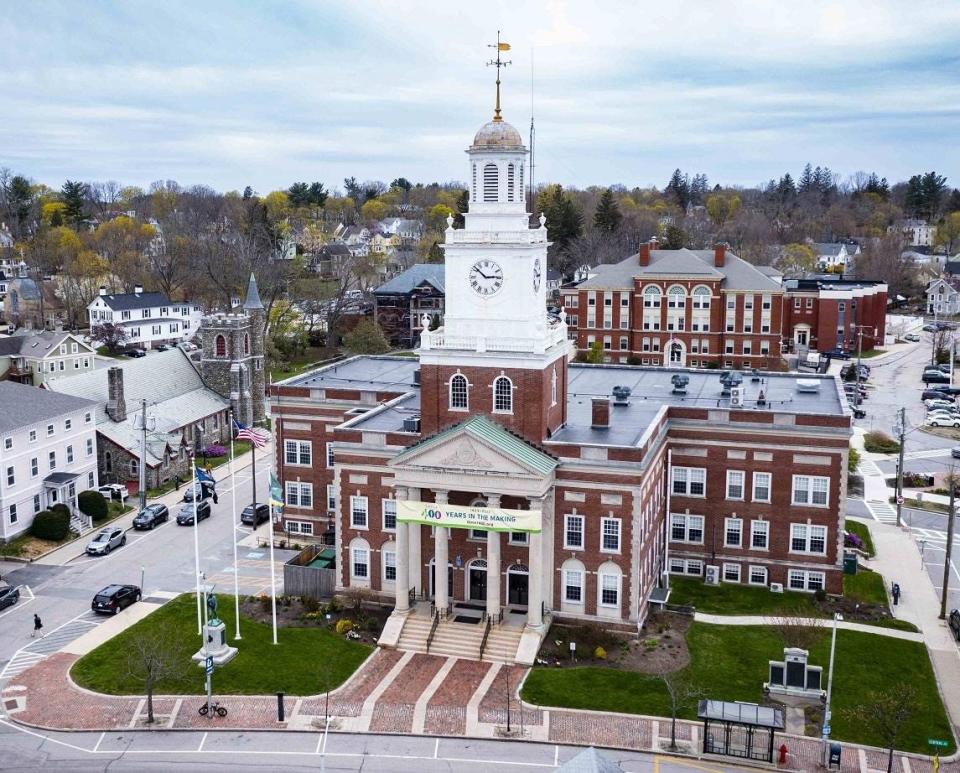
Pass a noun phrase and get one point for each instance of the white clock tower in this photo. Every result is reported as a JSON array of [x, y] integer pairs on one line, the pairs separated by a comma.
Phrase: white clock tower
[[496, 322]]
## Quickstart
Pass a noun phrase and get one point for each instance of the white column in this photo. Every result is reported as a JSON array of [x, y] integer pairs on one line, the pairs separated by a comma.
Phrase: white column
[[415, 564], [493, 564], [402, 582], [441, 555], [535, 578]]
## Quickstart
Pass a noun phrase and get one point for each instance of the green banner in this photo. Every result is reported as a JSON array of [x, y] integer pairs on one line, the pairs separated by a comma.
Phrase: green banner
[[462, 517]]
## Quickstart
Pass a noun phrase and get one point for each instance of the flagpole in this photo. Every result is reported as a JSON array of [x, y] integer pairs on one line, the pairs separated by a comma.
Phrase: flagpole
[[233, 531], [273, 577], [195, 482]]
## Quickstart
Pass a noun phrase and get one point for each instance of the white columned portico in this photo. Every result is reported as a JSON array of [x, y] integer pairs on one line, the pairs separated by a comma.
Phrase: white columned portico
[[441, 552], [415, 567], [535, 576], [493, 564], [403, 559]]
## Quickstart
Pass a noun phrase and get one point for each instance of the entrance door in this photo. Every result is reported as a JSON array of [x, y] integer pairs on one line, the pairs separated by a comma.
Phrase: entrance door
[[433, 586], [517, 585], [478, 581]]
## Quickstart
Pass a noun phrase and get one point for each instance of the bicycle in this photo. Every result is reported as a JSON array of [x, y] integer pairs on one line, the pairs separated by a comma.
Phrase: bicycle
[[221, 711]]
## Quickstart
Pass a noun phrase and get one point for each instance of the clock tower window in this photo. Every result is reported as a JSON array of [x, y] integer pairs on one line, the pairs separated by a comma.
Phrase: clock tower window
[[510, 182], [503, 395], [491, 183], [458, 393]]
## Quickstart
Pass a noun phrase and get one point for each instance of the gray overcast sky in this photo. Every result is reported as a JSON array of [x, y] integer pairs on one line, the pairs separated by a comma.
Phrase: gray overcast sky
[[244, 92]]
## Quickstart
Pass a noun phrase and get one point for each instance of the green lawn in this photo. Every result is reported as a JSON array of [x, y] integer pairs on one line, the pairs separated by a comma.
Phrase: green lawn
[[872, 353], [866, 587], [302, 661], [863, 532], [313, 357], [735, 599], [730, 663]]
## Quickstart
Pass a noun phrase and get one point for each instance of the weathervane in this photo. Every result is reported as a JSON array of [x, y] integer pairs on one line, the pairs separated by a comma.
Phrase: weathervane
[[498, 64]]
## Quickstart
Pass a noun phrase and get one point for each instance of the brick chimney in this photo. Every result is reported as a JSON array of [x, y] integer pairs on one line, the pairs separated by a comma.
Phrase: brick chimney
[[116, 405], [600, 418], [643, 257], [719, 254]]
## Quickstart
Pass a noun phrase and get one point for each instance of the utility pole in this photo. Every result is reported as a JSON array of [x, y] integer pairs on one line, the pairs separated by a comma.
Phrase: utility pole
[[952, 482], [859, 358], [143, 454], [902, 427], [825, 730]]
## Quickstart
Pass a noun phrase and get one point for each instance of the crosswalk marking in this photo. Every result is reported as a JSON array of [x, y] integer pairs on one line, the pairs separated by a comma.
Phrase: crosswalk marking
[[882, 511], [38, 649]]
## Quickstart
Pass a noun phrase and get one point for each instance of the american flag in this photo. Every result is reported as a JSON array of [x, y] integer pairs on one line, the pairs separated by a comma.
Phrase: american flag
[[258, 437]]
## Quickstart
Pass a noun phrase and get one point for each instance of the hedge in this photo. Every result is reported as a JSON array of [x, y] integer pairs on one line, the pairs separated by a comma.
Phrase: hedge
[[94, 504], [51, 524]]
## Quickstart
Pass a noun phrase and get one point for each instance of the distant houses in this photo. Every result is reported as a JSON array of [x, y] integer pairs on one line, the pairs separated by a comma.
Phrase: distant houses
[[149, 318]]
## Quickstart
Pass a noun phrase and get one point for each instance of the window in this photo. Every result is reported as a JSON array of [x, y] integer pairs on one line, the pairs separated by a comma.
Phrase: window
[[686, 528], [796, 303], [358, 512], [573, 532], [573, 586], [360, 563], [731, 572], [458, 392], [34, 467], [610, 535], [553, 387], [759, 535], [689, 481], [809, 303], [36, 504], [330, 455], [13, 514], [69, 454], [49, 430], [331, 497], [389, 514], [246, 340], [676, 297], [33, 436], [389, 566], [298, 452], [807, 538], [733, 532], [748, 302], [798, 579], [610, 590], [761, 486], [623, 343], [299, 494], [11, 476], [220, 346], [701, 297], [134, 467], [757, 575], [765, 302], [7, 443], [87, 417], [503, 395], [490, 182], [735, 484], [651, 297], [90, 480], [810, 490], [518, 538], [52, 458]]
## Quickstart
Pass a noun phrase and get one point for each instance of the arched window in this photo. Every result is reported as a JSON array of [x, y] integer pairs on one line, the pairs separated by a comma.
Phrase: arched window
[[573, 580], [651, 297], [676, 297], [134, 467], [503, 395], [388, 552], [246, 343], [491, 183], [220, 346], [359, 562], [458, 392], [701, 297], [511, 179], [609, 581], [553, 386]]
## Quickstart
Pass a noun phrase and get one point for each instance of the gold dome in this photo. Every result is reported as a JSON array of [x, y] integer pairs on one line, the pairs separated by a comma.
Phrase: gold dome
[[497, 134]]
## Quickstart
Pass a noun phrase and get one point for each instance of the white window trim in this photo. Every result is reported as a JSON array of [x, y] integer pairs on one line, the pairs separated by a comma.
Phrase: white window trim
[[566, 520], [809, 490], [727, 523], [743, 484], [808, 539], [765, 530], [299, 444], [619, 523], [366, 509], [752, 569], [600, 602], [383, 514], [753, 486], [688, 482], [686, 528], [723, 573], [582, 577]]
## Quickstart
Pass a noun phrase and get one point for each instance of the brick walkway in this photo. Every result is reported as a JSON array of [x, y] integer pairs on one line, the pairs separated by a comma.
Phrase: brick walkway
[[403, 693]]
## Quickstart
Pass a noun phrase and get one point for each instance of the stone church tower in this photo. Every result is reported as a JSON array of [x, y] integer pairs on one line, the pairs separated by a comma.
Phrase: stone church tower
[[232, 362]]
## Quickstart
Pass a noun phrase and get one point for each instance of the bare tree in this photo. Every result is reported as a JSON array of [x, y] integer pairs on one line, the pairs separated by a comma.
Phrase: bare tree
[[683, 694], [885, 713], [798, 632], [110, 335], [153, 657]]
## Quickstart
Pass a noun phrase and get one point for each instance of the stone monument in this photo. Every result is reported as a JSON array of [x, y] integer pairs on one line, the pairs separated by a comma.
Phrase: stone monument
[[214, 636], [793, 676]]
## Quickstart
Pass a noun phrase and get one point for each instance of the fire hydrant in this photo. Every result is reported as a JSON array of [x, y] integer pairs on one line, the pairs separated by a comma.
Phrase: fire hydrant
[[782, 759]]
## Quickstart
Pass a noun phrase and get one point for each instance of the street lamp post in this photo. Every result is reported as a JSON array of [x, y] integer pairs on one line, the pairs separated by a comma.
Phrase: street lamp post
[[826, 713]]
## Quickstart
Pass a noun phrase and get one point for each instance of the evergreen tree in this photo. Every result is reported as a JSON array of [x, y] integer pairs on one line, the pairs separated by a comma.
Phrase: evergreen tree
[[564, 219], [806, 179], [463, 204], [678, 189], [318, 194], [675, 238], [786, 189], [366, 338], [698, 188], [74, 195], [299, 194], [19, 198], [934, 187], [953, 203], [247, 193], [607, 217]]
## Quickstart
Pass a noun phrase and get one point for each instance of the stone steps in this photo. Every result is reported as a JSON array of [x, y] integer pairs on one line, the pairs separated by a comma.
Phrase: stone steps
[[459, 640]]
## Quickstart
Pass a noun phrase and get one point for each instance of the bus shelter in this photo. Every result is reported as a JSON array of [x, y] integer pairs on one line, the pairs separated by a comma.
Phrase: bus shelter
[[743, 730]]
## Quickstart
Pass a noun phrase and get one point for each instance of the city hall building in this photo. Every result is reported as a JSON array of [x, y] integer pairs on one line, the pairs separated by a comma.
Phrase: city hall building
[[490, 485]]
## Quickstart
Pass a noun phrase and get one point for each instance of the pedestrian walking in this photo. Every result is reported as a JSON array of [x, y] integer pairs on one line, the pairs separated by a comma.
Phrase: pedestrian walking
[[895, 592], [37, 626], [176, 482]]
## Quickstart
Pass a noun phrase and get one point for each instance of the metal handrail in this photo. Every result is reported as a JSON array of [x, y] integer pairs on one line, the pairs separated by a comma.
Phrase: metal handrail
[[486, 634], [433, 629]]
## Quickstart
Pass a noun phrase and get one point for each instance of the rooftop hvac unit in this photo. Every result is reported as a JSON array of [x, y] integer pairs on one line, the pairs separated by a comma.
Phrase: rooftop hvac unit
[[776, 587], [621, 395], [736, 397], [730, 379], [411, 424], [680, 381], [713, 575]]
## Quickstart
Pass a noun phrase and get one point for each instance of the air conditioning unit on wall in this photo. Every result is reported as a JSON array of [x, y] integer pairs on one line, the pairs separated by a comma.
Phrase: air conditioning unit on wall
[[736, 397], [713, 575], [776, 587]]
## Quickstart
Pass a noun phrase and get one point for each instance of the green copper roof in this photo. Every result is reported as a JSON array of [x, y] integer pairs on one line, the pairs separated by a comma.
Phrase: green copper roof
[[492, 434]]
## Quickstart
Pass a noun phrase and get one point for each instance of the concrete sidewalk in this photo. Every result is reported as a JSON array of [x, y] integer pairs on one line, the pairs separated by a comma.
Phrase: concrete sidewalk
[[824, 622]]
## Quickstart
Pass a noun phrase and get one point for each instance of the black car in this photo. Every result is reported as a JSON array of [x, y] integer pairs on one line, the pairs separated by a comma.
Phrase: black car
[[929, 328], [206, 489], [954, 622], [135, 353], [935, 377], [151, 516], [937, 394], [113, 598], [857, 411], [263, 514], [951, 391], [8, 596], [839, 354], [185, 516]]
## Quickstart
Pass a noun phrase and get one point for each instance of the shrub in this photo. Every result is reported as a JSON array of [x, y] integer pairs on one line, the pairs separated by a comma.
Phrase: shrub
[[310, 604], [215, 451], [51, 525], [634, 360], [265, 604], [343, 626], [61, 508], [372, 625], [94, 504], [879, 443], [600, 653], [853, 461], [852, 540]]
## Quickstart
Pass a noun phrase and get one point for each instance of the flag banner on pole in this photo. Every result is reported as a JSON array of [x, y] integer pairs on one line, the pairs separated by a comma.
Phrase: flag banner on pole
[[204, 477], [503, 46], [276, 493], [258, 437]]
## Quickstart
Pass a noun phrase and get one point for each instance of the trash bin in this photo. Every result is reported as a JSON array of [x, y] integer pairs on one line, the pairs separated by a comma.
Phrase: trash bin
[[834, 756], [849, 563]]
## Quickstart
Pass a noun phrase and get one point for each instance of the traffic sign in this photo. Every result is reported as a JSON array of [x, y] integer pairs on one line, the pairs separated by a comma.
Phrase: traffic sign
[[938, 742], [899, 500], [209, 664]]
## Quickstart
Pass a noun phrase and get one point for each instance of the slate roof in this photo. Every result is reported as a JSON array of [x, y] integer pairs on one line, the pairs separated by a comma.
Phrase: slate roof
[[27, 405], [736, 273], [35, 343], [174, 391], [413, 277], [129, 301], [952, 267]]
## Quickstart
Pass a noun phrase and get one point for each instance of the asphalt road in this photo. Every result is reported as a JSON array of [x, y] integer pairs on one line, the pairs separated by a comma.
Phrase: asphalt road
[[163, 557], [282, 752]]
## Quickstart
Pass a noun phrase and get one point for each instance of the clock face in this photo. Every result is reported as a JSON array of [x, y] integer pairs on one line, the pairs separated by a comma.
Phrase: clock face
[[486, 277], [536, 275]]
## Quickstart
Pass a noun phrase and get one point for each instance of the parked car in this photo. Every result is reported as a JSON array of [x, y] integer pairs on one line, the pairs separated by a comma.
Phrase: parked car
[[943, 421], [151, 516], [932, 404], [937, 394], [9, 596], [955, 452], [935, 377], [136, 352], [114, 491], [185, 516], [945, 325], [113, 598], [857, 411], [205, 488], [163, 348], [838, 354], [949, 390], [912, 337], [187, 346], [954, 623], [945, 367], [106, 540], [263, 514]]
